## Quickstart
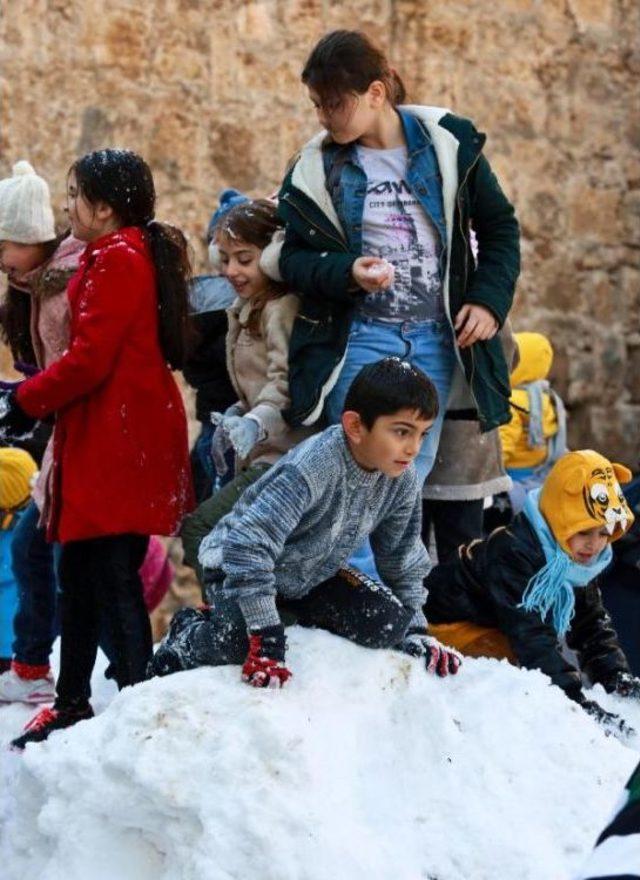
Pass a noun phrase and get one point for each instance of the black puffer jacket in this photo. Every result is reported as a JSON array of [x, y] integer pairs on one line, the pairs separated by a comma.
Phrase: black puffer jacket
[[485, 585]]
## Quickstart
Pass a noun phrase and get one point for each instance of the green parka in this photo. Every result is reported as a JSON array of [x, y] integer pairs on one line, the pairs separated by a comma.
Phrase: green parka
[[315, 261]]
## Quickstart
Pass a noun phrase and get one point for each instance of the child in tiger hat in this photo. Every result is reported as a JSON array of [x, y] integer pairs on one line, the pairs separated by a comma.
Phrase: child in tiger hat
[[517, 593]]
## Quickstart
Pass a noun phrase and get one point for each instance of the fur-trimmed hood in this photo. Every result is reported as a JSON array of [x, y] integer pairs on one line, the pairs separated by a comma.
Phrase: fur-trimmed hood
[[309, 175]]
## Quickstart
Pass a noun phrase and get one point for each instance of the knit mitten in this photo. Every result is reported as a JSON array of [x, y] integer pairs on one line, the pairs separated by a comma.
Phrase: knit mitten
[[438, 658], [624, 684], [612, 724], [264, 666]]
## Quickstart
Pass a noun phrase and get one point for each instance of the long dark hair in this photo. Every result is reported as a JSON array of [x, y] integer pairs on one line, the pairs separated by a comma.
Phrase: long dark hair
[[253, 222], [123, 180], [344, 62], [15, 314]]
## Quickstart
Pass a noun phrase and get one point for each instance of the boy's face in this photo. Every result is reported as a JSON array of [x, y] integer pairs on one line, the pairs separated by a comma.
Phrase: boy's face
[[391, 444], [586, 545]]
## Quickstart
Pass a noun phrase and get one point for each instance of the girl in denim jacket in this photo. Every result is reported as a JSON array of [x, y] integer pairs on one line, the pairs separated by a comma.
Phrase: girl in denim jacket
[[378, 209]]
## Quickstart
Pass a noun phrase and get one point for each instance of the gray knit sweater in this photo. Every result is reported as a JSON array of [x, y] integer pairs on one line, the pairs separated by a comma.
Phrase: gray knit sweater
[[303, 519]]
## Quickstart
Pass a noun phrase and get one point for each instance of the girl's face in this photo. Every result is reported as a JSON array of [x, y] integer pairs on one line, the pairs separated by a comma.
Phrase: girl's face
[[18, 259], [240, 264], [88, 222], [351, 116], [586, 545]]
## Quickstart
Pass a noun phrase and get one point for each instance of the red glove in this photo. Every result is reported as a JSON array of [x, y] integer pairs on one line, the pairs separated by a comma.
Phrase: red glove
[[264, 666], [439, 659]]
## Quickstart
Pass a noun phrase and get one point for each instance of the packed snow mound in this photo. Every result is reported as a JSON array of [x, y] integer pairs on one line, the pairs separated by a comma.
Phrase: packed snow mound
[[362, 768]]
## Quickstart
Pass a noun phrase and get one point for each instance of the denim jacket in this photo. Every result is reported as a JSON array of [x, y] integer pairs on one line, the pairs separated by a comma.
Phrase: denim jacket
[[320, 248], [347, 181]]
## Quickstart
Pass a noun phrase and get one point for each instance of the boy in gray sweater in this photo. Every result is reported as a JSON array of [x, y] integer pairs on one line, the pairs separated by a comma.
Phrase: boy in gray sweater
[[285, 543]]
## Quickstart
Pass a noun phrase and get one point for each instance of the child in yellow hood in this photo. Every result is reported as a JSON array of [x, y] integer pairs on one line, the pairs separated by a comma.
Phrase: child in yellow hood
[[536, 436], [517, 593]]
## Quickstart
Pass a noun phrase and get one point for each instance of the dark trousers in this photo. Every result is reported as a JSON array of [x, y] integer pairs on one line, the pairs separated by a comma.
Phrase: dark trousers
[[349, 604], [454, 523], [102, 591], [34, 566]]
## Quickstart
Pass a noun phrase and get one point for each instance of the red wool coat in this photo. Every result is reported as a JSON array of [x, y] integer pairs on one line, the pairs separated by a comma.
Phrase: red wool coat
[[121, 460]]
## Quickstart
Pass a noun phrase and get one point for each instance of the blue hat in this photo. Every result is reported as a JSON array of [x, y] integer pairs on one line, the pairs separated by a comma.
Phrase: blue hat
[[227, 199]]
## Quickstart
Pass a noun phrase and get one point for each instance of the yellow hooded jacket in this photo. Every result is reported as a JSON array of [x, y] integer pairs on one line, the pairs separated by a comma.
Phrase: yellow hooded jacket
[[536, 357]]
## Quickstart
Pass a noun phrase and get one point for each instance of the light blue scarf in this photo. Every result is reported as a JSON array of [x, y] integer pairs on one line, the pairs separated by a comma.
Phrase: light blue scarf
[[551, 589]]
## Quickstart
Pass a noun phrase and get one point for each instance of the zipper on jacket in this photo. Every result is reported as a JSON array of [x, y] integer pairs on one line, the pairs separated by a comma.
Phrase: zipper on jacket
[[466, 275], [339, 241], [343, 247]]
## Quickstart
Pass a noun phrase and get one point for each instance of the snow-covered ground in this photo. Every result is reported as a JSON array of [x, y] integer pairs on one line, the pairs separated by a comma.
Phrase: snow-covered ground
[[363, 768]]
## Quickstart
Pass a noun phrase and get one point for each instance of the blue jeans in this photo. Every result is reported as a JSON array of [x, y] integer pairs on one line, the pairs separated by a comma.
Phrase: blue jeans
[[34, 565], [203, 451], [428, 345], [35, 561]]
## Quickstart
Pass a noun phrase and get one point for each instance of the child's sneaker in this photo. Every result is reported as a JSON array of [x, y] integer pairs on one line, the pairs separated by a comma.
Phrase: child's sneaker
[[27, 684], [49, 720]]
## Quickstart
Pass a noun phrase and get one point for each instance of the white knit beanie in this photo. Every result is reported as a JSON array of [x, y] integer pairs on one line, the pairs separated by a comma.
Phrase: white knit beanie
[[25, 207]]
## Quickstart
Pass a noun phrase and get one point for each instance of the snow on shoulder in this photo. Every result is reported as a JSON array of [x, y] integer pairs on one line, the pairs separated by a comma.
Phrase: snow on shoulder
[[363, 768]]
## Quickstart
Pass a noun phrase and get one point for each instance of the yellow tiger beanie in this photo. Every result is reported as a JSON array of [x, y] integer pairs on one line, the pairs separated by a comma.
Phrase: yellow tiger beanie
[[16, 471], [582, 491]]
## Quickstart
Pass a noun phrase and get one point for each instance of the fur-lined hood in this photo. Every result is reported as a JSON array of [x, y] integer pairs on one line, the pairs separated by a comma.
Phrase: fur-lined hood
[[309, 175]]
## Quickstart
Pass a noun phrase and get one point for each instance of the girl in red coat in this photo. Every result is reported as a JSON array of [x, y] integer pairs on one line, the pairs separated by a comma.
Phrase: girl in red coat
[[121, 463]]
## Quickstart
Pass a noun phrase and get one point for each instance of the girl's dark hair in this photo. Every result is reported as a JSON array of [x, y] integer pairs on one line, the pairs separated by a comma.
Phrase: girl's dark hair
[[385, 387], [123, 180], [345, 62], [255, 223], [15, 323], [15, 315]]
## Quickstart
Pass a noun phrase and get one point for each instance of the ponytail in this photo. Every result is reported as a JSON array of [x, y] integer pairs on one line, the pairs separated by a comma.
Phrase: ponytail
[[344, 62], [170, 256], [396, 88]]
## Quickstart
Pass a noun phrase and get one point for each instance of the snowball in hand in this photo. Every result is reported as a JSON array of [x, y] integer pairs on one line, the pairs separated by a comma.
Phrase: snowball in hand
[[384, 272]]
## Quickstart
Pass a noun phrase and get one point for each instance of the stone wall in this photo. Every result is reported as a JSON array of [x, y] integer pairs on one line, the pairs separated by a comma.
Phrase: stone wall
[[209, 93]]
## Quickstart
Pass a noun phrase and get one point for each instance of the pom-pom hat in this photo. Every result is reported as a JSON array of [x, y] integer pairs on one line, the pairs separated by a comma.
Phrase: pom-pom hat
[[25, 207]]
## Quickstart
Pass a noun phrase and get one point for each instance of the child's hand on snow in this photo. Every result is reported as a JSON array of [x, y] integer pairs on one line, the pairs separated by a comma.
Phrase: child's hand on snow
[[373, 274], [612, 724], [264, 666], [624, 684], [438, 658]]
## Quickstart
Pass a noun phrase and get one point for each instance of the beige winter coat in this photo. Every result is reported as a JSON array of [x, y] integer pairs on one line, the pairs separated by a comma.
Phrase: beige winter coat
[[258, 369]]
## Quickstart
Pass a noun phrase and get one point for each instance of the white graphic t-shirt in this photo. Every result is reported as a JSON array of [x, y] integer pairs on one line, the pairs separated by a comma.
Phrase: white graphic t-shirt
[[395, 227]]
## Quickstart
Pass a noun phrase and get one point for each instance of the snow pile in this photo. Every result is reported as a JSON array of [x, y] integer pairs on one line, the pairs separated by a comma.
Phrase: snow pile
[[363, 768]]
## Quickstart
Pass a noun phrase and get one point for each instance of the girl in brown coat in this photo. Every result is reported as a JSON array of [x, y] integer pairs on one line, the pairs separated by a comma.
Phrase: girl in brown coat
[[248, 240]]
